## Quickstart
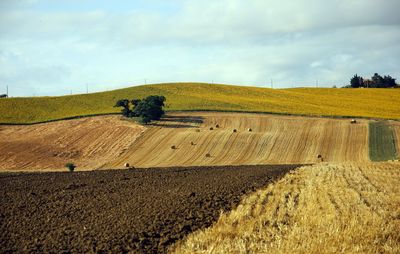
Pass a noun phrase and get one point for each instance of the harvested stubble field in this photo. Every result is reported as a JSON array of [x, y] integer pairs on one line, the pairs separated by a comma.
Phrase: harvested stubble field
[[325, 208], [140, 211], [87, 142], [273, 140], [109, 142], [396, 131]]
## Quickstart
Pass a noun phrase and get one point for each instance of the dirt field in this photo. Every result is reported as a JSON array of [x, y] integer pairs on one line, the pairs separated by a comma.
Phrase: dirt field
[[273, 140], [325, 208], [88, 142], [108, 142], [142, 211]]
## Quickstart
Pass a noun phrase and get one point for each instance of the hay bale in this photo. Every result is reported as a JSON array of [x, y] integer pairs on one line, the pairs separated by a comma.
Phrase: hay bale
[[191, 143], [319, 156], [249, 129], [217, 126], [234, 130], [353, 121], [197, 130], [211, 128], [126, 165], [173, 147], [208, 155]]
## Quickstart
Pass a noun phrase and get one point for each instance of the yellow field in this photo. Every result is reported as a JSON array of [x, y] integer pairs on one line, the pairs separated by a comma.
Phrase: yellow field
[[376, 103], [325, 208]]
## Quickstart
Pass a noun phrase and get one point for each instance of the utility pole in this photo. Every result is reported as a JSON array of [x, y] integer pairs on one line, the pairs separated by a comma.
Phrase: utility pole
[[272, 84], [87, 88], [316, 83], [7, 91], [145, 81]]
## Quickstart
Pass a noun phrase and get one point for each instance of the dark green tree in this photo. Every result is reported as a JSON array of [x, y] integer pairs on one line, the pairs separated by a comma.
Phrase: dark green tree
[[377, 81], [150, 107], [356, 81], [124, 103], [389, 81]]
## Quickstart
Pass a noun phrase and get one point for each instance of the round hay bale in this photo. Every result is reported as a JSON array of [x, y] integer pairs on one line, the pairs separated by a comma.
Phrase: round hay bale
[[234, 130], [249, 129], [197, 130], [126, 165], [353, 121], [173, 147], [319, 156], [211, 128], [191, 143], [208, 155], [217, 126]]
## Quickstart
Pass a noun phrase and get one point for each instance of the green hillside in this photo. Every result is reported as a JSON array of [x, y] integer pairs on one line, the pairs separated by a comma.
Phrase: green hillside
[[375, 103]]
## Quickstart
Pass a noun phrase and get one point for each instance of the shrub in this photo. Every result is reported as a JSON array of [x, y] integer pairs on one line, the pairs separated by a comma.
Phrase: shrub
[[71, 166]]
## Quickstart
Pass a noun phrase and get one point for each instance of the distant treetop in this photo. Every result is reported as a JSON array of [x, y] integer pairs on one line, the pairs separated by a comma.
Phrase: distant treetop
[[376, 81]]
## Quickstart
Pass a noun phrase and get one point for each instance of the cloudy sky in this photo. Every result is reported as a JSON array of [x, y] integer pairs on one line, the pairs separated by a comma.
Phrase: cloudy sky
[[50, 47]]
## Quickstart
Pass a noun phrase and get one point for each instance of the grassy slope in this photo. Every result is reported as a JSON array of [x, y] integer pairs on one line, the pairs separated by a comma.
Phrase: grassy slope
[[382, 146], [376, 103]]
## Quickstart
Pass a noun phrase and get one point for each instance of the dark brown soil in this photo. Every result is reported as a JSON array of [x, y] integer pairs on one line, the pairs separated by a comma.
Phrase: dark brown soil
[[138, 210]]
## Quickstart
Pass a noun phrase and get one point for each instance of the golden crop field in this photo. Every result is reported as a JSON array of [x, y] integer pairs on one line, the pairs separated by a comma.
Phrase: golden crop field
[[374, 103], [273, 140], [324, 208]]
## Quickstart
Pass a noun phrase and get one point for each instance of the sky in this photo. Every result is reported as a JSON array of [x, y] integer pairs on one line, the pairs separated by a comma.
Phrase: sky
[[57, 47]]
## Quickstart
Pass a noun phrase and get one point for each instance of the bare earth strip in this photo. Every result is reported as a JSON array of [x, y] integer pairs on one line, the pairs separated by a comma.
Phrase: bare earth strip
[[273, 140], [88, 142], [325, 208]]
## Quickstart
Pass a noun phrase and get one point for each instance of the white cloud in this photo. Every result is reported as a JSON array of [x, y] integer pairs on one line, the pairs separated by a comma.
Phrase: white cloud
[[228, 41]]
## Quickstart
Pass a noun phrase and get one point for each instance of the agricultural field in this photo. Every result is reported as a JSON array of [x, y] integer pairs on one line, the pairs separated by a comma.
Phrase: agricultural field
[[119, 211], [110, 142], [216, 176], [87, 142], [373, 103], [324, 208], [272, 140], [396, 132], [381, 142]]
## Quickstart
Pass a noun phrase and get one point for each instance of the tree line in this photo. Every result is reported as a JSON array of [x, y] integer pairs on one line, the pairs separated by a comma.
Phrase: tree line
[[147, 109], [376, 81]]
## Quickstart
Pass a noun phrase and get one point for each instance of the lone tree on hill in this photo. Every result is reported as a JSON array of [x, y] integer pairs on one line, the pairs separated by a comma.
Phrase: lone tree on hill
[[149, 108]]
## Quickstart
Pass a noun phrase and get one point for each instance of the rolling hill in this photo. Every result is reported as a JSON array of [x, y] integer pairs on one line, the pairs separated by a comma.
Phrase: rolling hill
[[371, 103]]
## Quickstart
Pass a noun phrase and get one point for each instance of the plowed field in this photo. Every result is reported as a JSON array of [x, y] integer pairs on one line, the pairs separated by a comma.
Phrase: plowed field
[[273, 140], [87, 142], [119, 211]]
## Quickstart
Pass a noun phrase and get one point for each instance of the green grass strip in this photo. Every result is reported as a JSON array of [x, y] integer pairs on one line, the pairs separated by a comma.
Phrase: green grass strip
[[381, 142]]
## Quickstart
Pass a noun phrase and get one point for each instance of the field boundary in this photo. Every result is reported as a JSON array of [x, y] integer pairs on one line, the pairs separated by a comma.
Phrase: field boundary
[[132, 169]]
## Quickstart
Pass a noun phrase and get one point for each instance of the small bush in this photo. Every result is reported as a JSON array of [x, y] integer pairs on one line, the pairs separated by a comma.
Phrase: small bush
[[71, 166]]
